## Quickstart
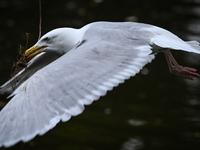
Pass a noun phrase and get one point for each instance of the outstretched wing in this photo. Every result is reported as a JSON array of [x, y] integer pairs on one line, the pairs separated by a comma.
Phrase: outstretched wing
[[61, 89]]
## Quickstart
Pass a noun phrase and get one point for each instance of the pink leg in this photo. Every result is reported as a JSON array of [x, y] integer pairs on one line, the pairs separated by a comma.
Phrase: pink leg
[[178, 70]]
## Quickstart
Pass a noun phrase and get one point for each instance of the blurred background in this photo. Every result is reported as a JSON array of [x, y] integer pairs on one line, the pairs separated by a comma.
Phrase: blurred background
[[154, 110]]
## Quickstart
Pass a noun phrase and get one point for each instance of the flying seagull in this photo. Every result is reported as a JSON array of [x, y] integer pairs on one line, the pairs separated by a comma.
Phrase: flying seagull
[[69, 68]]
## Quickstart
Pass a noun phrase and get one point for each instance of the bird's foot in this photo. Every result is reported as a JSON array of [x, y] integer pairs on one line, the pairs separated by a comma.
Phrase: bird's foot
[[185, 72], [178, 70]]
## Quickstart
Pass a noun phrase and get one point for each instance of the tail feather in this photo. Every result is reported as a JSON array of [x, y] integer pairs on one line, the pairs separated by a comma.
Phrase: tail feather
[[161, 38], [194, 44]]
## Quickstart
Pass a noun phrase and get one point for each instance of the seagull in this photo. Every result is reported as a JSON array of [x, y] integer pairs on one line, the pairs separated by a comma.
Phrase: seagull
[[69, 68]]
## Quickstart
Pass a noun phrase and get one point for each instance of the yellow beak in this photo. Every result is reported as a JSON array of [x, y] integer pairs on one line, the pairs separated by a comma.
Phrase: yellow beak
[[32, 52]]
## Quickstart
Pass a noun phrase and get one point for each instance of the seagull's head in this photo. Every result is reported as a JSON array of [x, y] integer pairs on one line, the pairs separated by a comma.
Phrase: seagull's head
[[59, 41]]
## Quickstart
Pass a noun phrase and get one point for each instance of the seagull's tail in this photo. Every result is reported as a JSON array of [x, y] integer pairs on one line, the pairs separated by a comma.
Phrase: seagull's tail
[[164, 39], [195, 45], [176, 43]]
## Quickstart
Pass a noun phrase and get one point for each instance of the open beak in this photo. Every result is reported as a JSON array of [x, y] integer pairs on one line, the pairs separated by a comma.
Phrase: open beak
[[32, 52]]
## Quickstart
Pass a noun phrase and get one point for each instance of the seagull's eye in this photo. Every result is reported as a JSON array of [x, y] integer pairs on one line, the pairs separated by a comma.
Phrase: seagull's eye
[[46, 39]]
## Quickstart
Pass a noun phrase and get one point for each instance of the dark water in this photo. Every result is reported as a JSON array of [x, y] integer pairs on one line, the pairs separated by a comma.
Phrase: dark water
[[154, 110]]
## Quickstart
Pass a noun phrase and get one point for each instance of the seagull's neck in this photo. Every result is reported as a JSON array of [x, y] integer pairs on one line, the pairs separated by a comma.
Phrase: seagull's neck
[[74, 36], [79, 33]]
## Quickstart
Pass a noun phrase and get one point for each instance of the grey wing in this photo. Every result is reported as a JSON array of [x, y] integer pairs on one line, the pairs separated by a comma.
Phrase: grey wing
[[61, 89]]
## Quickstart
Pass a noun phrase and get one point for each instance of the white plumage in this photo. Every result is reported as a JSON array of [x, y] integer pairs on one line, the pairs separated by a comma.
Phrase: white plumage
[[73, 68]]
